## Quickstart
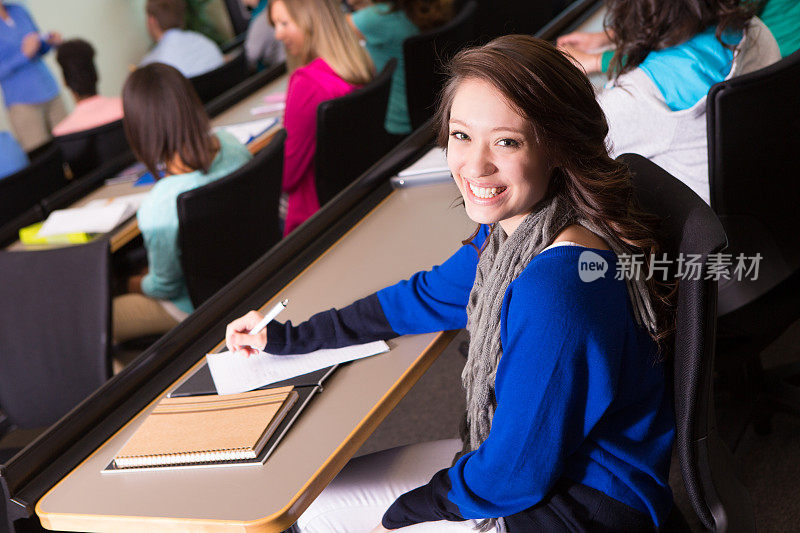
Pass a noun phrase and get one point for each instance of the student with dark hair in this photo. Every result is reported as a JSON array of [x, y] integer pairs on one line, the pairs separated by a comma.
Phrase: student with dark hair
[[76, 58], [569, 423], [190, 52], [667, 56], [29, 90], [384, 26], [328, 63], [168, 130]]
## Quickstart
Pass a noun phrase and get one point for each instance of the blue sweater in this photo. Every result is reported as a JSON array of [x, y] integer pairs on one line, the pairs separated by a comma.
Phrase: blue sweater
[[24, 80], [579, 394]]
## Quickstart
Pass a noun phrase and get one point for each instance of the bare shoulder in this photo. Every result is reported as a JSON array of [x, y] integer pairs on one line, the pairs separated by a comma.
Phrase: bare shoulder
[[580, 235]]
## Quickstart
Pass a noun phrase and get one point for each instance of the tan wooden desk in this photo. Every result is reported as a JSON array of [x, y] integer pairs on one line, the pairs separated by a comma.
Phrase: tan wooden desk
[[410, 230], [240, 112]]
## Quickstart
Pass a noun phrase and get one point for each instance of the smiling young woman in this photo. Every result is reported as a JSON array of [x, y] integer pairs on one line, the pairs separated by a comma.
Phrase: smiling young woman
[[569, 424]]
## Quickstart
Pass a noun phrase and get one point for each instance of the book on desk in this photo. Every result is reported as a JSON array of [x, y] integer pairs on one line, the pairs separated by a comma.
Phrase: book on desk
[[201, 385]]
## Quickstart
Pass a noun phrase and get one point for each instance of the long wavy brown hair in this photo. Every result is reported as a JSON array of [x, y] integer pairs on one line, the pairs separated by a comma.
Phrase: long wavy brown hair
[[638, 27], [570, 129]]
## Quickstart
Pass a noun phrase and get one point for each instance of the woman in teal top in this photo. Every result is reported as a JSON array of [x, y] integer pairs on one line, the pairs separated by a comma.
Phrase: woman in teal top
[[169, 132], [384, 26]]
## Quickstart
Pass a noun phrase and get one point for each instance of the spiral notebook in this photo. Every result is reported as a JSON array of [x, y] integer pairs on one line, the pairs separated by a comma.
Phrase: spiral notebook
[[206, 430]]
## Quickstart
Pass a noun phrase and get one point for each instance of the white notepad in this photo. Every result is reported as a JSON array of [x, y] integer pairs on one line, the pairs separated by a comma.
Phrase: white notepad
[[434, 162], [235, 372], [97, 216], [247, 131]]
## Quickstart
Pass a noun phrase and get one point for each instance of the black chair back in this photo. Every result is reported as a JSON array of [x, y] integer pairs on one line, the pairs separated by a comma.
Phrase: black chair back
[[24, 189], [494, 19], [214, 83], [753, 162], [55, 326], [350, 134], [87, 150], [228, 224], [424, 57], [689, 226]]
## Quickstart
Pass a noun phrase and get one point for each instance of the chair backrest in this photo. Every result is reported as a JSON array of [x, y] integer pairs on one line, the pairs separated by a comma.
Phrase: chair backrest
[[753, 162], [494, 19], [87, 150], [350, 134], [227, 224], [240, 18], [24, 189], [54, 330], [424, 57], [690, 227], [214, 83]]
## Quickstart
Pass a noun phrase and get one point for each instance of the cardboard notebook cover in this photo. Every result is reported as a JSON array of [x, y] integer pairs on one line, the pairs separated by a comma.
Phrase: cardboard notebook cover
[[206, 429]]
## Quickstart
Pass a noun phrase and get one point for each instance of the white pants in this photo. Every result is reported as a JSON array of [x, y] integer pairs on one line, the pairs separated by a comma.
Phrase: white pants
[[356, 499]]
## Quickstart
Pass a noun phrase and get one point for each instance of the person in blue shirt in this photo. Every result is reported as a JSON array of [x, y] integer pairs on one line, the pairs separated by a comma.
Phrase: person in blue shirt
[[169, 131], [29, 90], [190, 52], [12, 157], [569, 423]]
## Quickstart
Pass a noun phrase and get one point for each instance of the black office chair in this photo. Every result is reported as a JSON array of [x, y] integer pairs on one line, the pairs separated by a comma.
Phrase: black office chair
[[424, 57], [24, 189], [55, 326], [87, 150], [350, 134], [689, 226], [228, 224], [214, 83], [754, 157], [494, 19]]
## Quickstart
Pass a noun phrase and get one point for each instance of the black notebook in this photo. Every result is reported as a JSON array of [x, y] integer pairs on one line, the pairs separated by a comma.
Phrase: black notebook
[[201, 383]]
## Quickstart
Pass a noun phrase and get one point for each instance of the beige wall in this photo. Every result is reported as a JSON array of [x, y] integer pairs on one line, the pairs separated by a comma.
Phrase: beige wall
[[115, 28]]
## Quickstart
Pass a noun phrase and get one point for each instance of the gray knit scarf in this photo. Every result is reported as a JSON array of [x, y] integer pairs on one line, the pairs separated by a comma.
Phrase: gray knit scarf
[[502, 260]]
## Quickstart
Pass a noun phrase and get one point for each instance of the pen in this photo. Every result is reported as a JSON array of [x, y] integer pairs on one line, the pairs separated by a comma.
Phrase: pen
[[280, 306]]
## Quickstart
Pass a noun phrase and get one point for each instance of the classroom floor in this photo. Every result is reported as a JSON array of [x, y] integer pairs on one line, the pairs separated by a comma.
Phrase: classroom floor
[[768, 465]]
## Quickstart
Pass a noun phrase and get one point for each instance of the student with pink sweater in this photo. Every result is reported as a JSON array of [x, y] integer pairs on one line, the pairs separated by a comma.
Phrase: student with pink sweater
[[330, 63]]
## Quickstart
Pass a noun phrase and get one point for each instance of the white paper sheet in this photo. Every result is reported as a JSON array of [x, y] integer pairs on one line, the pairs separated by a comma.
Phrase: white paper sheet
[[434, 162], [235, 372], [97, 216], [247, 131]]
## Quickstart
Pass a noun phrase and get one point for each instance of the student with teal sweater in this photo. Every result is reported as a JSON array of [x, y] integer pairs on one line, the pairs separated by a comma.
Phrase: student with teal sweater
[[169, 131], [383, 26]]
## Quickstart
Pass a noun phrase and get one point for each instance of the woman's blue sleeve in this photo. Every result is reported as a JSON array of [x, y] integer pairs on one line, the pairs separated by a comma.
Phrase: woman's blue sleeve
[[436, 299]]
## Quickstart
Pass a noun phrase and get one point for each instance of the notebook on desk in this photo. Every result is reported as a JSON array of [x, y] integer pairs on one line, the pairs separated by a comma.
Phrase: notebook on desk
[[260, 441]]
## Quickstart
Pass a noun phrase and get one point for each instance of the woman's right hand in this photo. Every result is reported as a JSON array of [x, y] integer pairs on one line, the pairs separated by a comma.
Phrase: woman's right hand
[[585, 41], [237, 337], [31, 44]]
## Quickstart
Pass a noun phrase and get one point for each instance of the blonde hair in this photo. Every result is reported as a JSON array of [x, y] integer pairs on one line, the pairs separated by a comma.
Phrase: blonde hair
[[328, 36]]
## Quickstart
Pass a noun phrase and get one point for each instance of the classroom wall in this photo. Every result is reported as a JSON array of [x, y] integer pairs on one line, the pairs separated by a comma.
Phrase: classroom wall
[[116, 28]]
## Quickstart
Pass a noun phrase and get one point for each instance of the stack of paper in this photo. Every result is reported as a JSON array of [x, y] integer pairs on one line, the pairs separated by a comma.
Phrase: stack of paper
[[97, 216], [236, 372], [430, 168], [247, 131]]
